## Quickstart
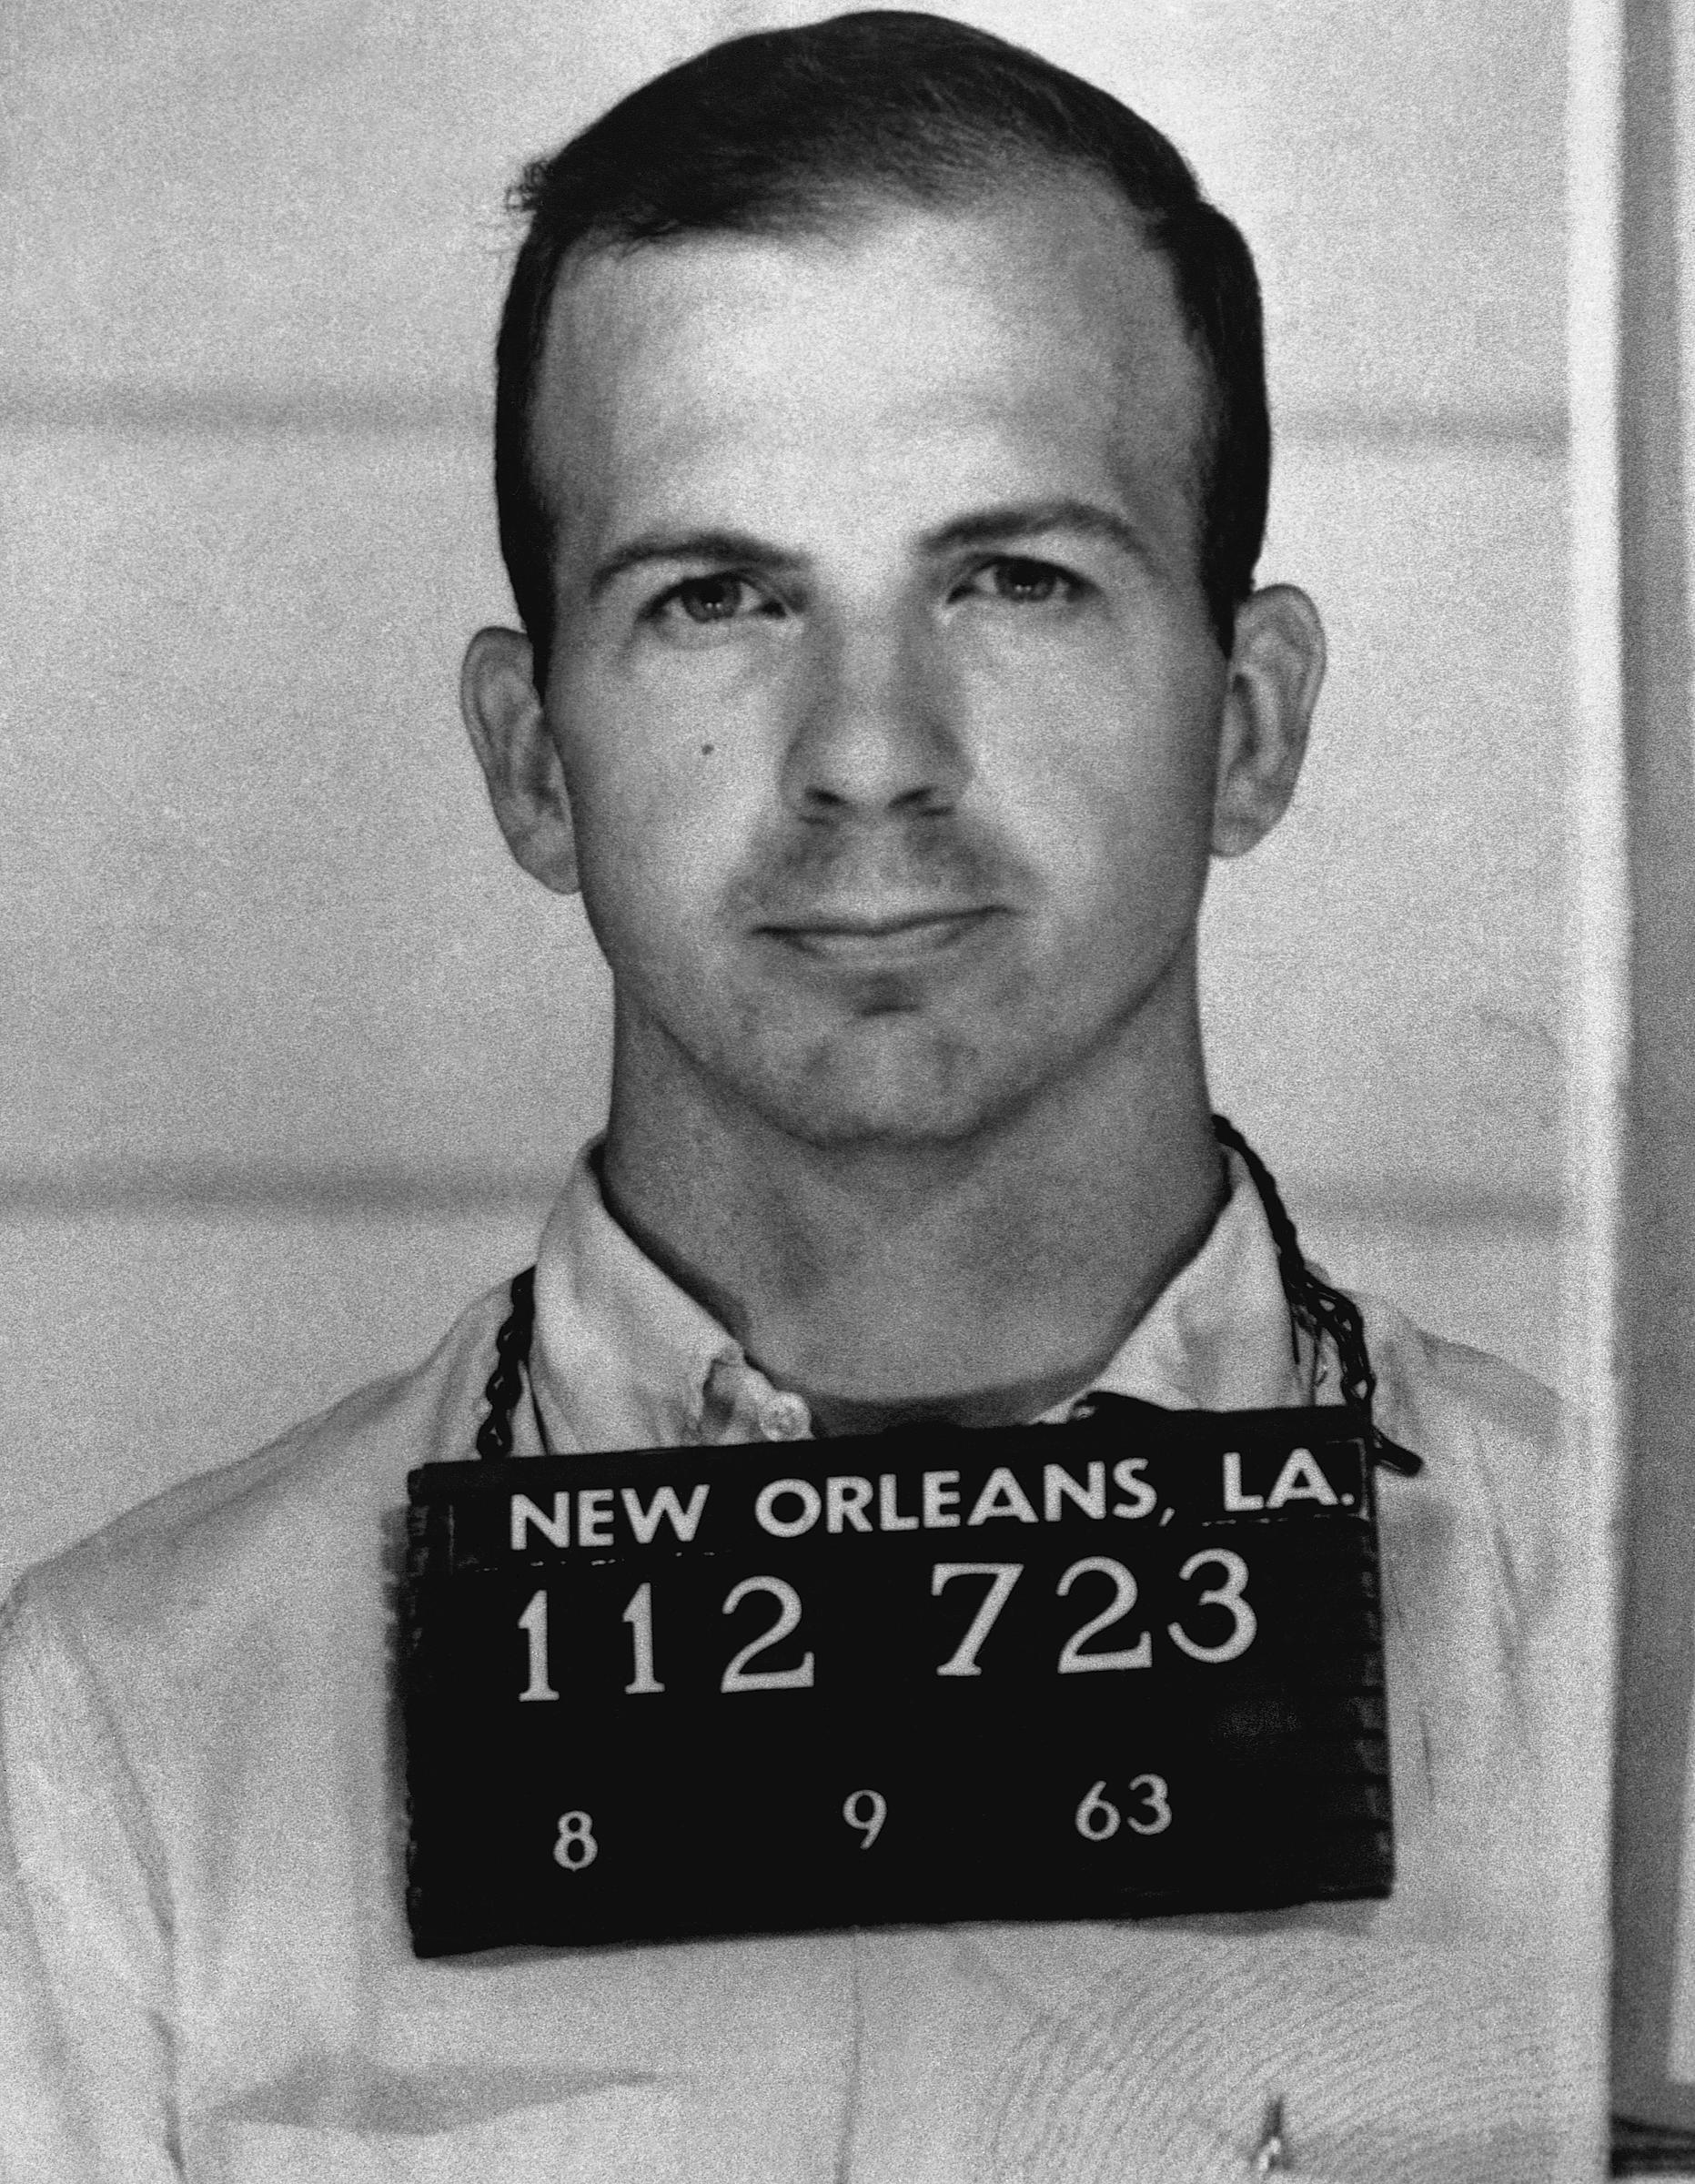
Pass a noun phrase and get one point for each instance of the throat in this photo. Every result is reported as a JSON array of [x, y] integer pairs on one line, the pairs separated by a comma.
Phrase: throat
[[983, 1284], [971, 1345]]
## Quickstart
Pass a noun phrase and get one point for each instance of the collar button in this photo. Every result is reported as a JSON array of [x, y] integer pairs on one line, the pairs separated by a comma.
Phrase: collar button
[[784, 1416]]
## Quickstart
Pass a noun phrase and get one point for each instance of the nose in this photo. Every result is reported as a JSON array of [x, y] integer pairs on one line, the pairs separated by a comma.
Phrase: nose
[[875, 727]]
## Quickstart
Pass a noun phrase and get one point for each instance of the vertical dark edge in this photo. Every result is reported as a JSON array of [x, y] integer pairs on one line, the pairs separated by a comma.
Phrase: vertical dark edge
[[424, 1545], [1374, 1562], [1657, 1653]]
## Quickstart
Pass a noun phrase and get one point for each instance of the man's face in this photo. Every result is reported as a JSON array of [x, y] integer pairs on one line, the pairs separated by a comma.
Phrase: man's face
[[883, 684]]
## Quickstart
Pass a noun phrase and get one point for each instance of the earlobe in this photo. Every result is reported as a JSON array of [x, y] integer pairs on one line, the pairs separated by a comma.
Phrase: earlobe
[[519, 760], [1276, 670]]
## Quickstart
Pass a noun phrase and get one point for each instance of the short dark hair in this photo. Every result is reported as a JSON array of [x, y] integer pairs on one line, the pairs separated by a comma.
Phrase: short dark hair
[[781, 130]]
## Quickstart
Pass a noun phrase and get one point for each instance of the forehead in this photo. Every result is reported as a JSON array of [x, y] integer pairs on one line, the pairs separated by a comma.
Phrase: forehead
[[1035, 324]]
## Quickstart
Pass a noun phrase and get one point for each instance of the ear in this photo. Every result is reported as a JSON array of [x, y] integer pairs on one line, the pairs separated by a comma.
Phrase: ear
[[1275, 670], [519, 758]]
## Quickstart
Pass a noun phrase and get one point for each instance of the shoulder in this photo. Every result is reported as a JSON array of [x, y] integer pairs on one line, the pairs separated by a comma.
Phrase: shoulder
[[1485, 1429], [1481, 1528], [1452, 1393], [176, 1572]]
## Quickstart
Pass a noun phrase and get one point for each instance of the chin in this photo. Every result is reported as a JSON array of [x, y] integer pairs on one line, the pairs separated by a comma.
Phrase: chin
[[894, 1092]]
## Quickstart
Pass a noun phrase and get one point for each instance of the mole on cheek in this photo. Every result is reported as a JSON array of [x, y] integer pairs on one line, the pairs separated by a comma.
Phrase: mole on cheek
[[707, 750]]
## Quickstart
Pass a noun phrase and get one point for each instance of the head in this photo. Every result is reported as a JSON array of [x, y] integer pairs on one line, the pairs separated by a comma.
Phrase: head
[[791, 132], [883, 463]]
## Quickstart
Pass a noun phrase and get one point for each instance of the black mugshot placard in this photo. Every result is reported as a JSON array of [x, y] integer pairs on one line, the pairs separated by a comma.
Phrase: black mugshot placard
[[1112, 1670]]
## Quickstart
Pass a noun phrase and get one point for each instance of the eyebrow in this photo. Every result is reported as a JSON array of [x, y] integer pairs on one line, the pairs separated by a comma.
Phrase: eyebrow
[[982, 526], [1032, 519], [690, 546]]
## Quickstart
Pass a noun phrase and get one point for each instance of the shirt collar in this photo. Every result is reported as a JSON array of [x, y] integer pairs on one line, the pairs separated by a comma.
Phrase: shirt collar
[[623, 1358], [1218, 1337]]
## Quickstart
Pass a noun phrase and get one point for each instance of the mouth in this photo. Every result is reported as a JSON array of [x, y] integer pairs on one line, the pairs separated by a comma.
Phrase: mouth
[[904, 937]]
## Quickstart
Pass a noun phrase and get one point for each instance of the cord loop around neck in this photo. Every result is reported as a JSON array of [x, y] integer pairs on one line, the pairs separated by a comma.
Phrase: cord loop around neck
[[1315, 1307]]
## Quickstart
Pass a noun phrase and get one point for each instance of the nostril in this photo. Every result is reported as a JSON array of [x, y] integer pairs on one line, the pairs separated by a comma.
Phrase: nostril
[[876, 729]]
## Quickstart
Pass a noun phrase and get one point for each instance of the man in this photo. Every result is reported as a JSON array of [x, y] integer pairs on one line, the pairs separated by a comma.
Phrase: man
[[881, 456]]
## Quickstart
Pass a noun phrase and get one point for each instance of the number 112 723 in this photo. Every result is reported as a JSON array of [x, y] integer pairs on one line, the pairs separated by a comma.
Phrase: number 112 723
[[1223, 1619]]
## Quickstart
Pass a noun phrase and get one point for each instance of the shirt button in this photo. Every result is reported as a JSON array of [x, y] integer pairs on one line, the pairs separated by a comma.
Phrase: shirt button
[[784, 1418]]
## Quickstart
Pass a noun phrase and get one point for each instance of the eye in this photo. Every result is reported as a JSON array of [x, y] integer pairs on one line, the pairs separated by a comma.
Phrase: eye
[[1028, 582], [1020, 581], [710, 601]]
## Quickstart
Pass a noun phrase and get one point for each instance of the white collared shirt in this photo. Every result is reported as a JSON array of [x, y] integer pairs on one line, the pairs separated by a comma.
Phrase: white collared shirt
[[205, 1966]]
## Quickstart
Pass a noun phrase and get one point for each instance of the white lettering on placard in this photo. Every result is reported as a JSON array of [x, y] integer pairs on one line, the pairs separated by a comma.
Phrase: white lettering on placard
[[888, 1516], [940, 1498], [869, 1822], [1097, 1819], [575, 1845], [1230, 1595], [1074, 1661], [1300, 1480], [1127, 1478], [1058, 1485], [594, 1517], [1001, 1496], [1235, 1500], [845, 1502], [737, 1676], [645, 1522], [962, 1660], [533, 1623], [788, 1528], [555, 1529], [1153, 1787], [639, 1616]]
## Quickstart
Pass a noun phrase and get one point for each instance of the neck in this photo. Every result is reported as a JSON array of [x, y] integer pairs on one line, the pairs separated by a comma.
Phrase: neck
[[981, 1280]]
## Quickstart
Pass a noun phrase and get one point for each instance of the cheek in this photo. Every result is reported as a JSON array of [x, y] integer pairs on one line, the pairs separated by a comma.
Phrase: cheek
[[660, 822], [650, 739], [1112, 785]]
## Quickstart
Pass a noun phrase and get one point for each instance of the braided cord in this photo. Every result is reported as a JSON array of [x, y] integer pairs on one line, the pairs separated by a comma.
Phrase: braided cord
[[1316, 1307], [506, 1382]]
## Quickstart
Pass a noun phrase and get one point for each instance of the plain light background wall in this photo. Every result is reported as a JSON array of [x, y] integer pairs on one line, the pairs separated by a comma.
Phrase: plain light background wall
[[294, 1059]]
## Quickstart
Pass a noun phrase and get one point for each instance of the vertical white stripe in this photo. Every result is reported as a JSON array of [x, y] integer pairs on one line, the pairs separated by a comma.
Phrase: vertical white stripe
[[1599, 994], [1683, 154], [1680, 2058], [1600, 880]]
